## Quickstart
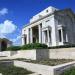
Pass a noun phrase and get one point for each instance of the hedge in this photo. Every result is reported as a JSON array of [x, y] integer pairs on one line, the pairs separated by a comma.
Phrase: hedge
[[14, 48], [62, 46], [34, 46], [28, 46]]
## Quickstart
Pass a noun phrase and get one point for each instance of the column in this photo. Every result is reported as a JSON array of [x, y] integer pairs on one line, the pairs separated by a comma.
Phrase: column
[[31, 36], [28, 36], [62, 35], [48, 37], [23, 39], [43, 35], [40, 33]]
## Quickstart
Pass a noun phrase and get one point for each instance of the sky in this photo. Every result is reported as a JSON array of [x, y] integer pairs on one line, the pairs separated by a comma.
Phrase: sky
[[15, 14]]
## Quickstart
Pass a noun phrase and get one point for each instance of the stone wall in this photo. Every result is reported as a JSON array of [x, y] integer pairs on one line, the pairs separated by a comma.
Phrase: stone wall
[[44, 69], [7, 53], [62, 53], [38, 54], [33, 54]]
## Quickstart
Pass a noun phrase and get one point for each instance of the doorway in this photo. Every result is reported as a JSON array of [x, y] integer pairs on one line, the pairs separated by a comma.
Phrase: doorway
[[3, 45]]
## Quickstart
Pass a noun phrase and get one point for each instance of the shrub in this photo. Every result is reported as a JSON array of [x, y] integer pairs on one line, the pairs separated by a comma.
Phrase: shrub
[[63, 46], [14, 48], [28, 46], [34, 46], [71, 71]]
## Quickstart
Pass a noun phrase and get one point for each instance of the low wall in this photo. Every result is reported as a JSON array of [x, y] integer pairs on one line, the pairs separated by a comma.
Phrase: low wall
[[7, 53], [33, 54], [62, 53], [43, 69], [28, 54], [39, 54]]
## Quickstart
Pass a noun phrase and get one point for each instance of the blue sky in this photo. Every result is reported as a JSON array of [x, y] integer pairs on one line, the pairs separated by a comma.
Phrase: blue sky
[[14, 14]]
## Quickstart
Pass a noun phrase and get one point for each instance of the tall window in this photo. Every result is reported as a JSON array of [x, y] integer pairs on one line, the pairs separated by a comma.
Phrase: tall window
[[60, 37], [25, 40], [50, 35], [64, 35], [46, 38]]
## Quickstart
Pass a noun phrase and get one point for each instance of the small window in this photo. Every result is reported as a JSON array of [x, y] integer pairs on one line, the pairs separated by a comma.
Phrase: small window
[[46, 10], [47, 20]]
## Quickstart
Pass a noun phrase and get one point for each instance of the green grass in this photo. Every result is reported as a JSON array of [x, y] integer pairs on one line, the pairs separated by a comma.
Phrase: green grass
[[71, 71], [11, 70]]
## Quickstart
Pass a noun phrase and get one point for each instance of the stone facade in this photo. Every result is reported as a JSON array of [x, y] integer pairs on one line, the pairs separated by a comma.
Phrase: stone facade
[[4, 43], [52, 26]]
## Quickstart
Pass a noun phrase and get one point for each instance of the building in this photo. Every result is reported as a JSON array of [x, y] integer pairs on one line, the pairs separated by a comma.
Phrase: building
[[52, 26], [4, 43]]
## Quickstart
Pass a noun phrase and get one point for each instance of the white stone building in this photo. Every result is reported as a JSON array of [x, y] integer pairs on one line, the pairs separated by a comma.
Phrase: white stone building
[[52, 26]]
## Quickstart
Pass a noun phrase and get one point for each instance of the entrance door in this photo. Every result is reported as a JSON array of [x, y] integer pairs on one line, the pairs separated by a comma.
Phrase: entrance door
[[3, 46]]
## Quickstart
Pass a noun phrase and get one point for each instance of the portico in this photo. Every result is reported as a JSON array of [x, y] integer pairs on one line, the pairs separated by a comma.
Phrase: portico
[[36, 33]]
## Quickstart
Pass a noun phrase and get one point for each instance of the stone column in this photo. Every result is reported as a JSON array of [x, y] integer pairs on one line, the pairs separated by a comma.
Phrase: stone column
[[28, 36], [23, 41], [62, 35], [43, 35], [31, 36], [40, 34], [48, 37]]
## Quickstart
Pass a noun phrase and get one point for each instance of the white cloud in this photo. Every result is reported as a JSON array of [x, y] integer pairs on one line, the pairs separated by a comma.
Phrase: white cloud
[[7, 27], [16, 39], [2, 36], [3, 11]]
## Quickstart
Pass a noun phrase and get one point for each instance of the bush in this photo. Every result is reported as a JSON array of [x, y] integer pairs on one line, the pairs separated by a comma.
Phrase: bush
[[71, 71], [14, 48], [62, 46], [28, 46], [34, 46]]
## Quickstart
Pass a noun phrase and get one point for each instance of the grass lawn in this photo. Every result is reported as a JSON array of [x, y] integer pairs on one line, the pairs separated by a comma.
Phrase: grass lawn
[[11, 70]]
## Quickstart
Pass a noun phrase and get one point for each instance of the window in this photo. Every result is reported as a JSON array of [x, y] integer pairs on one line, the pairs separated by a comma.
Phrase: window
[[41, 25], [46, 38], [64, 36], [25, 40], [50, 35], [59, 22], [60, 37], [47, 20], [46, 10]]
